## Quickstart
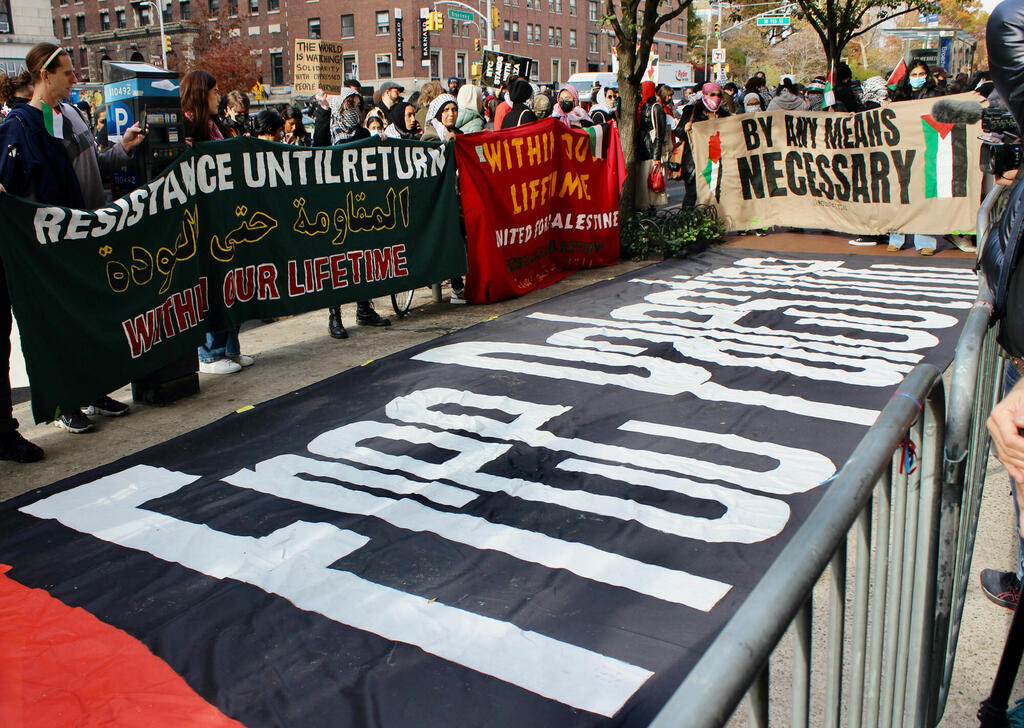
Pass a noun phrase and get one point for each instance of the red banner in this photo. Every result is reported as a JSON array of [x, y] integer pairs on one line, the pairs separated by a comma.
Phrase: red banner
[[539, 201]]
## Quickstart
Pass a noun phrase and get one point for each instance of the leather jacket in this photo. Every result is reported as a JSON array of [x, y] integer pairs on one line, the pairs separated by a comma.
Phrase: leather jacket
[[1005, 38]]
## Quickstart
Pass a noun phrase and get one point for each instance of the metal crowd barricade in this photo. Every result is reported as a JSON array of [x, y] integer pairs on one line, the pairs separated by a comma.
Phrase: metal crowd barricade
[[906, 502]]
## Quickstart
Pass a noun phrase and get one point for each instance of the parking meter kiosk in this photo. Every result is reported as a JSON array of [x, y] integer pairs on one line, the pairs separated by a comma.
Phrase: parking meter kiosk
[[150, 95]]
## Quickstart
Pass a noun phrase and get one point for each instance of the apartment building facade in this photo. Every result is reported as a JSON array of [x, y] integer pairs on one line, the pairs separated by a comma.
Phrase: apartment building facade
[[22, 25], [561, 36]]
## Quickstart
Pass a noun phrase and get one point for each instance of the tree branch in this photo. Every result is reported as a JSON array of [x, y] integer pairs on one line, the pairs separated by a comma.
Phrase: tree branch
[[878, 22]]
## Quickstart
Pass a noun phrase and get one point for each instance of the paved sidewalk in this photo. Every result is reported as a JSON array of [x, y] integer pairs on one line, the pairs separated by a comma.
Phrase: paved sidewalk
[[296, 351]]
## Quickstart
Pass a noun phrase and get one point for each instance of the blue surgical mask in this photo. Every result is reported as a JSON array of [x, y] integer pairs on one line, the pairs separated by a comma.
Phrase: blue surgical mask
[[918, 82]]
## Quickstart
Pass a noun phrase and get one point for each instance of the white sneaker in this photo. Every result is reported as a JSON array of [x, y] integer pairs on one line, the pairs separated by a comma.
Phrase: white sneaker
[[221, 366], [964, 242], [458, 295], [244, 360]]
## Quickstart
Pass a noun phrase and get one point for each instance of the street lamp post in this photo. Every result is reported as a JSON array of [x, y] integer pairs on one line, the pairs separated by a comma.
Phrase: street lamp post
[[155, 5]]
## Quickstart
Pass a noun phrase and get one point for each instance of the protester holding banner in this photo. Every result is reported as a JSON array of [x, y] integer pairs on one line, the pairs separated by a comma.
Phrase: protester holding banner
[[48, 154], [542, 105], [603, 110], [751, 103], [846, 98], [709, 107], [442, 118], [268, 126], [403, 122], [917, 83], [814, 92], [568, 109], [236, 114], [519, 93], [471, 109], [875, 93]]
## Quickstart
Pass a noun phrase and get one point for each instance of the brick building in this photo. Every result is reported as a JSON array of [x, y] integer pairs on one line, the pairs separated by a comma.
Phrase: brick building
[[21, 27], [562, 36]]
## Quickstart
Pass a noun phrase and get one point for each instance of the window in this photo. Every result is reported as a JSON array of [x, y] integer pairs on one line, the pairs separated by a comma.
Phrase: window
[[574, 66], [535, 66], [556, 71], [214, 6], [273, 6], [572, 37], [185, 6], [277, 69], [105, 20], [65, 23], [455, 24], [348, 26], [572, 8], [515, 31], [592, 11], [508, 30], [558, 37], [551, 35], [679, 53], [168, 14], [349, 68], [83, 60], [141, 16], [682, 28], [558, 6], [63, 2], [460, 65], [80, 24], [465, 30], [254, 7], [313, 28], [435, 64], [233, 8], [551, 6], [383, 22], [529, 33], [592, 43], [529, 4], [654, 48], [383, 65]]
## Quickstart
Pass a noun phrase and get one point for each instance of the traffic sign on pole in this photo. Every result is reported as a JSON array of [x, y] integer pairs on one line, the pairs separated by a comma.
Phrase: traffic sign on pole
[[773, 20], [718, 55], [460, 15]]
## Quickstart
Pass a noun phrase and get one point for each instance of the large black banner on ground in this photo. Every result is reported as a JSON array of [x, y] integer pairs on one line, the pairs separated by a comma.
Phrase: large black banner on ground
[[542, 520]]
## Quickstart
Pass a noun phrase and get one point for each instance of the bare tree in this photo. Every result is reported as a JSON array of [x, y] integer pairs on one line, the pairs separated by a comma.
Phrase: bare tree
[[634, 28]]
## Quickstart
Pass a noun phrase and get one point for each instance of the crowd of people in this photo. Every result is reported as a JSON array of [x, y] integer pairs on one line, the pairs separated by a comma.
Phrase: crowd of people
[[69, 169]]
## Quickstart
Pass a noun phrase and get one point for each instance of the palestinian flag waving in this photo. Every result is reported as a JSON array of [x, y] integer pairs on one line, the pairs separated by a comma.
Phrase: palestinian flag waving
[[897, 73], [713, 169], [945, 159], [53, 120], [828, 100]]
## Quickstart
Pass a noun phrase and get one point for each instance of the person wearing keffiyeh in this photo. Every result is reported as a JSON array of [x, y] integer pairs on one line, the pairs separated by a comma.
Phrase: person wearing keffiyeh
[[603, 111], [568, 109], [442, 117], [403, 122], [709, 107], [345, 117]]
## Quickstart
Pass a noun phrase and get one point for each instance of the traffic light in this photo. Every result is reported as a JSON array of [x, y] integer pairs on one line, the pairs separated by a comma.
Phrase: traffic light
[[476, 45], [167, 43], [438, 20], [430, 21], [718, 30], [495, 17]]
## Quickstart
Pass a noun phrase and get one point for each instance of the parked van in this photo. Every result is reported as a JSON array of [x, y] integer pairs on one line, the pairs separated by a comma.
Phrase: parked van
[[585, 81]]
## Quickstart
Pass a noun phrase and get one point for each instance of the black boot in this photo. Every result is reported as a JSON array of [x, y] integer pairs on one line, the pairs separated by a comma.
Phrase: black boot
[[334, 326], [366, 316]]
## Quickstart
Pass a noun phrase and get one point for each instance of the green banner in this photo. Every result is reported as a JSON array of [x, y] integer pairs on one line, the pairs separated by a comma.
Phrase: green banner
[[231, 231]]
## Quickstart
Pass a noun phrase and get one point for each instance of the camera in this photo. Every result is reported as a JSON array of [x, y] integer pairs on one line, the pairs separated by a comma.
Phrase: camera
[[1001, 148]]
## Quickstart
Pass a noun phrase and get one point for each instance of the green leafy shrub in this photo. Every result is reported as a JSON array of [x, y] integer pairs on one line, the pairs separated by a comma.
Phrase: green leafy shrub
[[675, 232]]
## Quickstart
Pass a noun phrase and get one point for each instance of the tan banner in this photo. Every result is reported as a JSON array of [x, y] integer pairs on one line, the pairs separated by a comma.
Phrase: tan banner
[[318, 64], [893, 169]]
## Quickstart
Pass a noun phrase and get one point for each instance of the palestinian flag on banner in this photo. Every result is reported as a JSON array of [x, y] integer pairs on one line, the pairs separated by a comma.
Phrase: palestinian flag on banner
[[897, 73], [53, 120], [598, 140], [828, 100], [945, 159], [713, 169]]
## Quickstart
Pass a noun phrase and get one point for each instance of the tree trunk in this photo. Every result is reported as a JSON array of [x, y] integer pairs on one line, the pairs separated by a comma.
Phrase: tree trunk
[[629, 98]]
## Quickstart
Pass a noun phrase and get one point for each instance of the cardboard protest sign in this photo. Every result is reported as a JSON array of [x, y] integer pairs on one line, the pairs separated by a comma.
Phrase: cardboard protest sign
[[891, 169], [318, 64], [500, 67]]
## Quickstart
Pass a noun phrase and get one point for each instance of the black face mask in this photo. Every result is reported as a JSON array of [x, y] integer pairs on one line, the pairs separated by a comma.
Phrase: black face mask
[[566, 106]]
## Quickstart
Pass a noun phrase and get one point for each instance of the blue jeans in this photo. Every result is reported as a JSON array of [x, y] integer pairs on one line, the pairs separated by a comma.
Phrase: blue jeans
[[920, 241], [220, 345], [1010, 378]]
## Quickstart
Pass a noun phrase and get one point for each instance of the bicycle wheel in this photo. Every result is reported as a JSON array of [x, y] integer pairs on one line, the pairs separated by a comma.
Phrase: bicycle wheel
[[401, 302]]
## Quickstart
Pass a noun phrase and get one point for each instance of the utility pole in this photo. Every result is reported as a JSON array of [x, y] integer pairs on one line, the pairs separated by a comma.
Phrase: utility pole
[[490, 27]]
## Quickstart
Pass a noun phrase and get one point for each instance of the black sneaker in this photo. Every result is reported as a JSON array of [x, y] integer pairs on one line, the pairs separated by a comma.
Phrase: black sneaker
[[107, 407], [75, 423], [1001, 587], [15, 447]]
